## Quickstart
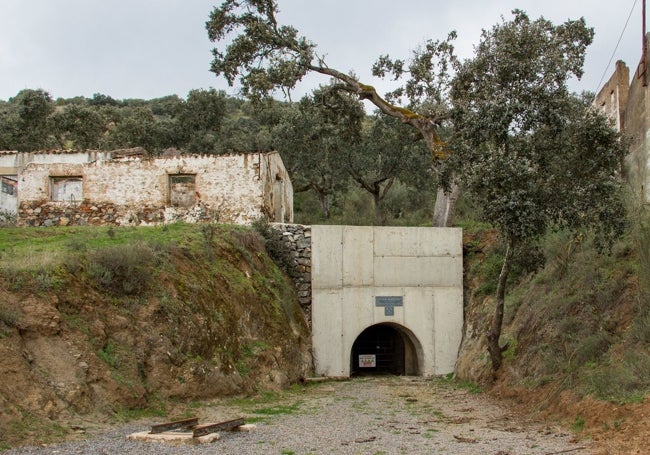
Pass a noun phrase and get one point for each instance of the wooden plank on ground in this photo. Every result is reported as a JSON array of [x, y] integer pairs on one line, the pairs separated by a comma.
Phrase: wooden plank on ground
[[202, 430], [169, 426]]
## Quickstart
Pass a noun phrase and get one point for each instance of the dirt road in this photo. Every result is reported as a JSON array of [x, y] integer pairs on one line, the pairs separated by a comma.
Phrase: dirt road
[[378, 415]]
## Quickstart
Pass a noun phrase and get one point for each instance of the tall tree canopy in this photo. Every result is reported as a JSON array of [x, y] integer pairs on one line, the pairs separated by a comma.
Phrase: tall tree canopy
[[385, 155], [24, 121], [76, 125], [531, 155], [314, 136], [266, 56]]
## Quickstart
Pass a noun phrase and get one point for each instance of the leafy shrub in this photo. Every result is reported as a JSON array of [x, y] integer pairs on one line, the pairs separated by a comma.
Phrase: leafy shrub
[[8, 316], [15, 279], [488, 270], [591, 348], [43, 280], [122, 269], [108, 354], [625, 380]]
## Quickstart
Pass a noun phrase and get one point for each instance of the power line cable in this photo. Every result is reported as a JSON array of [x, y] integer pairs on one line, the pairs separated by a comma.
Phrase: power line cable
[[616, 48]]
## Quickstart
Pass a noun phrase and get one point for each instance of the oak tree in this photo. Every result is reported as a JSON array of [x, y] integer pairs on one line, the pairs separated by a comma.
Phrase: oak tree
[[386, 155], [265, 56], [24, 122], [532, 155], [314, 137]]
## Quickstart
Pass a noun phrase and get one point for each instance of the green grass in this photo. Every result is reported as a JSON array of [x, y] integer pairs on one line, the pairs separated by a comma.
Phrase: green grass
[[470, 386], [279, 409], [35, 248], [124, 415], [578, 424], [30, 427]]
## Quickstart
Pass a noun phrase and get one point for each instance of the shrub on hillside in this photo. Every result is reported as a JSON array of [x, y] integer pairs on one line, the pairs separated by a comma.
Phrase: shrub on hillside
[[122, 269]]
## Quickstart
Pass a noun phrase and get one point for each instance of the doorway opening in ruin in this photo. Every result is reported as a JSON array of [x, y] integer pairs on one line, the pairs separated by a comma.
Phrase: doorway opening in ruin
[[385, 348]]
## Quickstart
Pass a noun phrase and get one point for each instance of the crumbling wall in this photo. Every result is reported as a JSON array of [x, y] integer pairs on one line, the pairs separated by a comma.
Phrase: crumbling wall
[[228, 189], [636, 131], [627, 103], [612, 98]]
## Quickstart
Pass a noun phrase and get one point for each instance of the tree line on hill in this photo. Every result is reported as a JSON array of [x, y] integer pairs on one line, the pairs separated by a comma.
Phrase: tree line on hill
[[344, 163]]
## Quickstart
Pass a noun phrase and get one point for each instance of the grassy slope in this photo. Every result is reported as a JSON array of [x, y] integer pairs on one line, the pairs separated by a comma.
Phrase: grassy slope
[[116, 321], [578, 329]]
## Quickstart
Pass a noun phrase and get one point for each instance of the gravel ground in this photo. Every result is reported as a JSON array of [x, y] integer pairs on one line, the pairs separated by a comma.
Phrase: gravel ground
[[385, 415]]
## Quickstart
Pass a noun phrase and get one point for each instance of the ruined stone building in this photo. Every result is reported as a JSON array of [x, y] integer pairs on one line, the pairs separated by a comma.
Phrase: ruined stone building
[[627, 102], [126, 187]]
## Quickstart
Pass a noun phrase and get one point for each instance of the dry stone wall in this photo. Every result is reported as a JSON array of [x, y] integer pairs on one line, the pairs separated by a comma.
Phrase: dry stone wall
[[295, 242], [45, 213]]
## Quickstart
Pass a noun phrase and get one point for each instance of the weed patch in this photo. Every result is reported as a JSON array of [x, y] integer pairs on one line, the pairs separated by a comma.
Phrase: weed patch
[[8, 316], [122, 269], [578, 424], [279, 409], [124, 415], [108, 354]]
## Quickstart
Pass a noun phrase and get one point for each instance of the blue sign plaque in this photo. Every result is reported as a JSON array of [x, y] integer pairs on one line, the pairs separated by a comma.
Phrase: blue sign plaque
[[389, 302]]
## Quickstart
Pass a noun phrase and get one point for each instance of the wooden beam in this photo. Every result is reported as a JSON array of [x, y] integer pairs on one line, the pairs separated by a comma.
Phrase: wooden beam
[[202, 430], [169, 426]]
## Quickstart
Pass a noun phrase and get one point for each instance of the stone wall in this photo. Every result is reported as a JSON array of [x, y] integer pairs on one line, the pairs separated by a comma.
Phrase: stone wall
[[637, 131], [45, 213], [235, 188], [295, 241], [613, 96]]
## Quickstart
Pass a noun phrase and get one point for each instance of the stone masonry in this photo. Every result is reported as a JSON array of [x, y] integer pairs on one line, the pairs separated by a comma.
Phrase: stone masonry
[[74, 188], [295, 241]]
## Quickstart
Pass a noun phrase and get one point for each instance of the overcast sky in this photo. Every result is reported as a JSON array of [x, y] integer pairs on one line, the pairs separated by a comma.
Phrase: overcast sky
[[152, 48]]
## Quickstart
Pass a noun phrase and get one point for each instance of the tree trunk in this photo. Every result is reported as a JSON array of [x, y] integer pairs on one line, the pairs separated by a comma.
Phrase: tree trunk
[[443, 211], [380, 219], [494, 332], [324, 204]]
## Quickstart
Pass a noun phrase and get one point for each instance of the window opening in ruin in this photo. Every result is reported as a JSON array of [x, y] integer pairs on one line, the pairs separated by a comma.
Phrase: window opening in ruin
[[9, 185], [66, 189], [182, 190]]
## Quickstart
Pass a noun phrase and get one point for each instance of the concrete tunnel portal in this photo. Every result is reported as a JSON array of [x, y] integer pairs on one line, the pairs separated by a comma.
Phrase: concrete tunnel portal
[[386, 300]]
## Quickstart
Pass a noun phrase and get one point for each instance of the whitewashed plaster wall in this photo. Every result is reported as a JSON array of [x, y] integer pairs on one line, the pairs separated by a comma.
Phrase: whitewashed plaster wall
[[232, 186]]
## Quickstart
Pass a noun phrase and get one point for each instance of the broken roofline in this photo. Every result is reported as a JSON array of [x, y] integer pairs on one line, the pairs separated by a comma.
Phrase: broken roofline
[[126, 187], [134, 151]]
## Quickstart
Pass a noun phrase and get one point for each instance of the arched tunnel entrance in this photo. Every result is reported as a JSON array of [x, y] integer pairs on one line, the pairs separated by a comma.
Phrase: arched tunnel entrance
[[385, 348]]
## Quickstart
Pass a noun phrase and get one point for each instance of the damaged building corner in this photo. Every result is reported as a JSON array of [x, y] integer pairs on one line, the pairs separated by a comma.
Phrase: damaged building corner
[[127, 187]]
